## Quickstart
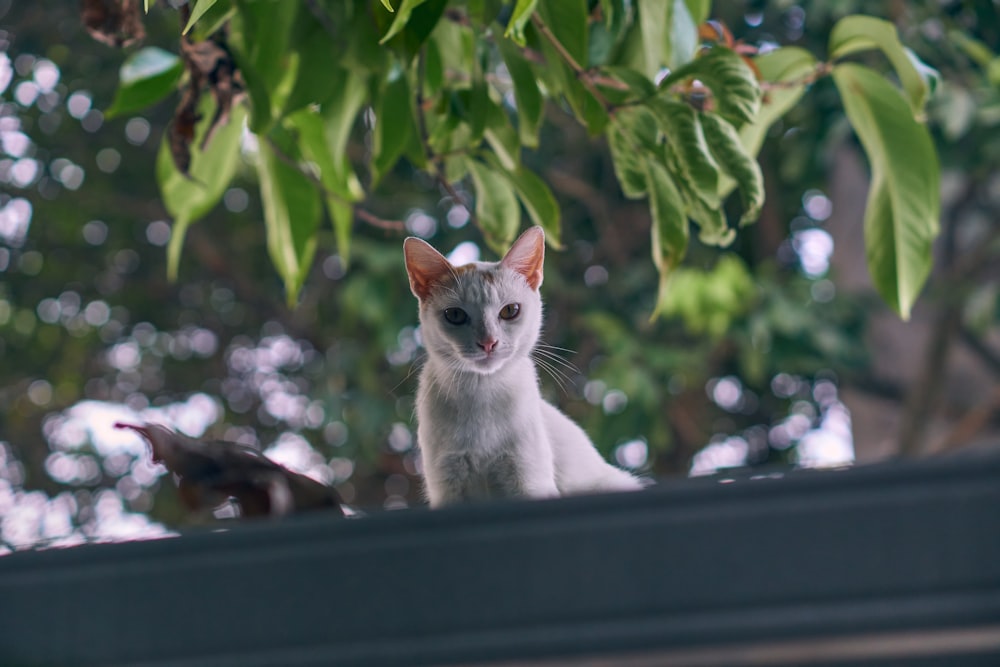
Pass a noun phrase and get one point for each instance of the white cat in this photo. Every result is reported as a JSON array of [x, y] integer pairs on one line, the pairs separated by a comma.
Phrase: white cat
[[484, 430]]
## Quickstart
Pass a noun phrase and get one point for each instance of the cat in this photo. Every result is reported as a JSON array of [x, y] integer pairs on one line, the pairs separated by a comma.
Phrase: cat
[[483, 429]]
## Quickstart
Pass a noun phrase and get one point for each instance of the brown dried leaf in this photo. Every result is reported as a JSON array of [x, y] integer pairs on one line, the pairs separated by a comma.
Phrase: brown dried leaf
[[209, 472], [208, 63], [113, 22]]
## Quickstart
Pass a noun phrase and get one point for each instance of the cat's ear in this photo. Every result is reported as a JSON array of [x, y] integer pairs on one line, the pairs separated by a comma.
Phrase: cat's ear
[[425, 266], [527, 255]]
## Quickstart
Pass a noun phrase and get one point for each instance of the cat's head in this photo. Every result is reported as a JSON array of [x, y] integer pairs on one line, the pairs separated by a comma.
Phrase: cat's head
[[479, 316]]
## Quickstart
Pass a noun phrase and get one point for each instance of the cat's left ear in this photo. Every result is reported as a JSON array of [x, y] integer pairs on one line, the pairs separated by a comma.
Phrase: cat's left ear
[[425, 266], [527, 255]]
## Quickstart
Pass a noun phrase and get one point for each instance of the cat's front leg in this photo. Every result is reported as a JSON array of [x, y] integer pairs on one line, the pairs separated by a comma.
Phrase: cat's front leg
[[536, 470]]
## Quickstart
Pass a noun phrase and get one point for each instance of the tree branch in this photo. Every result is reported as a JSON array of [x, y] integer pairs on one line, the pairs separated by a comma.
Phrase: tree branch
[[582, 75], [360, 213]]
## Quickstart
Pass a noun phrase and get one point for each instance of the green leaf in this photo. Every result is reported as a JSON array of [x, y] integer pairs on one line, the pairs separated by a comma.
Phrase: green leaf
[[539, 202], [402, 17], [683, 32], [388, 5], [523, 11], [527, 96], [981, 54], [568, 21], [497, 211], [724, 142], [291, 206], [318, 80], [259, 35], [699, 10], [632, 133], [189, 199], [213, 20], [201, 8], [852, 34], [324, 147], [669, 229], [146, 77], [654, 24], [682, 127], [787, 64], [901, 219], [501, 136], [394, 125], [669, 34], [733, 84]]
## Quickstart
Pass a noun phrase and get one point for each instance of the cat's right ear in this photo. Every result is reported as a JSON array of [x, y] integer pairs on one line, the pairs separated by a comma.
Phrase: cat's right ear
[[425, 266]]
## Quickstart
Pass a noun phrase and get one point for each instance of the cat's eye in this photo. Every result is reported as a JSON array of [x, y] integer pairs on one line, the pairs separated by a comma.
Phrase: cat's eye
[[456, 316], [510, 311]]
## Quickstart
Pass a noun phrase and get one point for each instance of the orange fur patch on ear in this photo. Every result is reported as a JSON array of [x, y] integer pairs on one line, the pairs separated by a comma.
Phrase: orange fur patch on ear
[[425, 266], [527, 256]]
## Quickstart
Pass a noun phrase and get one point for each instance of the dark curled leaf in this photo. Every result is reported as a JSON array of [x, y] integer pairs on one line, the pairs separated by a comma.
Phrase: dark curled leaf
[[180, 134], [209, 473], [208, 63], [113, 22]]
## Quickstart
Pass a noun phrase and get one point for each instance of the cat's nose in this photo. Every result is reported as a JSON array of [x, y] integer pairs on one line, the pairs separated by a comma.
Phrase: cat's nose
[[488, 344]]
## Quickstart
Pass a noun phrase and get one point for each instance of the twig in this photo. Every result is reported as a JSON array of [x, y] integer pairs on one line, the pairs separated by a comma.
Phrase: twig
[[360, 213], [581, 74]]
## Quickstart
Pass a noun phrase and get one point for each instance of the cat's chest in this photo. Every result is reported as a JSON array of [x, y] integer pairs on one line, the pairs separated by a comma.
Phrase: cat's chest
[[480, 415]]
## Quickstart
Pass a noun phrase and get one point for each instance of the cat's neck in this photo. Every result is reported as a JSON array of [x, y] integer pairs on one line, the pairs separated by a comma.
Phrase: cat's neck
[[517, 376]]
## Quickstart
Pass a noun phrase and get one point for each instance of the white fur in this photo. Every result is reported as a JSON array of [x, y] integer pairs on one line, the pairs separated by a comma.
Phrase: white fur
[[484, 430]]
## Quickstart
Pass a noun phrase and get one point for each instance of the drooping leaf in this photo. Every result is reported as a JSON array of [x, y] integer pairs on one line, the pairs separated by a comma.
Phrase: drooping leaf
[[901, 218], [539, 202], [733, 84], [322, 148], [187, 199], [632, 133], [713, 228], [724, 142], [684, 31], [682, 127], [401, 18], [567, 21], [291, 206], [522, 13], [501, 136], [669, 34], [496, 205], [784, 65], [699, 10], [527, 96], [259, 36], [317, 81], [857, 33], [394, 124], [146, 77], [214, 18], [200, 8], [654, 25], [669, 233]]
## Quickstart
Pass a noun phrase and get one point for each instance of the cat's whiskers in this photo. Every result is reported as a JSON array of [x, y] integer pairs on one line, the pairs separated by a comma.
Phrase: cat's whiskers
[[555, 358], [557, 375]]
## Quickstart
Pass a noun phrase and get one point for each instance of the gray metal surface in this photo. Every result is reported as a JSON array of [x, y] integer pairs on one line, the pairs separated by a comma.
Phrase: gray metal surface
[[890, 564]]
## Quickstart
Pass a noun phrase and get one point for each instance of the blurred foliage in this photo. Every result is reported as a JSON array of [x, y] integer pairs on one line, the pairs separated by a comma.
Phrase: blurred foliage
[[748, 352]]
